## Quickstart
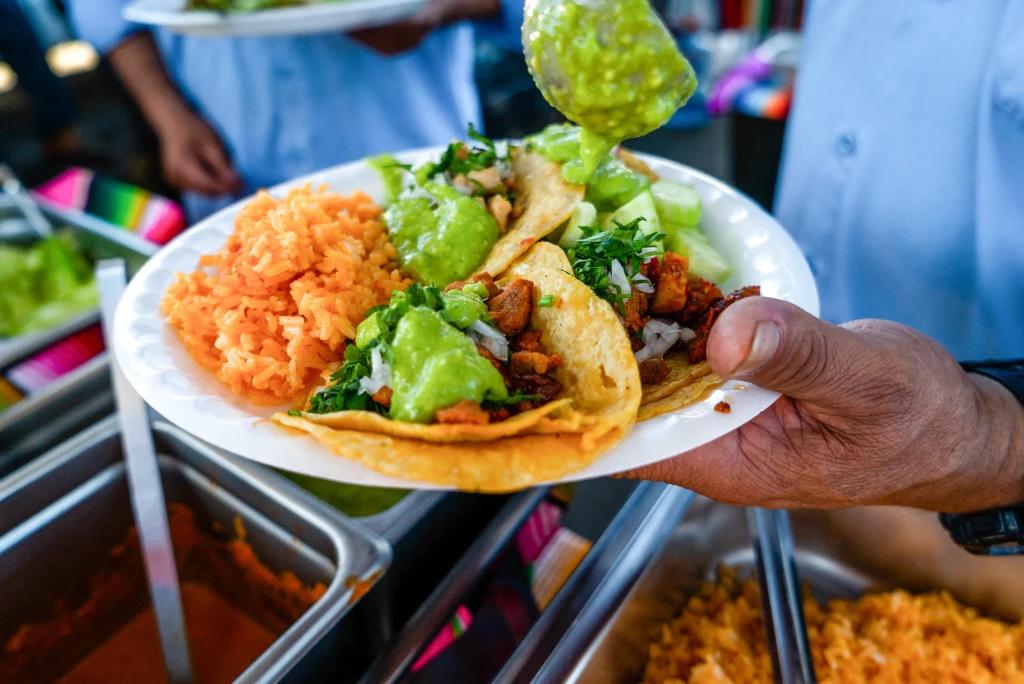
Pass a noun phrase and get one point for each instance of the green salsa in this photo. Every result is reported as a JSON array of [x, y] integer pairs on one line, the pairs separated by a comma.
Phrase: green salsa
[[610, 66], [435, 366], [443, 239], [609, 186], [351, 500], [391, 172]]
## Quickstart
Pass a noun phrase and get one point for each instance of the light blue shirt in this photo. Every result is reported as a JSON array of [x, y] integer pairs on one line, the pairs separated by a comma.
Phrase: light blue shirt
[[903, 169], [289, 106]]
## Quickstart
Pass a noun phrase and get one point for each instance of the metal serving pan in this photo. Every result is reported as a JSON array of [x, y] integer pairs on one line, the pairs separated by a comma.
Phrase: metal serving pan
[[99, 240], [43, 420], [62, 515], [839, 554], [639, 527], [428, 531], [456, 585], [621, 515], [46, 418]]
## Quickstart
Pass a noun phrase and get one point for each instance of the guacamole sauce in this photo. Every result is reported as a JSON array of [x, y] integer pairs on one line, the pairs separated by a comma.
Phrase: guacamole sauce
[[435, 366], [609, 186], [443, 239], [351, 500], [609, 65], [390, 173]]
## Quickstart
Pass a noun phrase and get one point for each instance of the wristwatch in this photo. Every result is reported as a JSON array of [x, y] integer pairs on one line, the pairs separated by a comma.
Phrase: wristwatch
[[999, 531]]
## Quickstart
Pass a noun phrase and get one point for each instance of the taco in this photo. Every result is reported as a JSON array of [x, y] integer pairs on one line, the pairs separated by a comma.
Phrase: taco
[[546, 200], [634, 241], [480, 386], [475, 209]]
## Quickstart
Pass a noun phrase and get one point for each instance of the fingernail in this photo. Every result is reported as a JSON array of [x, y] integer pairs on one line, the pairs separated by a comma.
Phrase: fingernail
[[766, 341]]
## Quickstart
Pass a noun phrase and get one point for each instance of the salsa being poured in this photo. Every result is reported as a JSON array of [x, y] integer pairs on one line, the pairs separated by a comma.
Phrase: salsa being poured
[[610, 66]]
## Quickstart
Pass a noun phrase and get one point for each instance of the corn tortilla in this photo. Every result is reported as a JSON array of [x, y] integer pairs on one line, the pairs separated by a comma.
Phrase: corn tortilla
[[551, 418], [497, 466], [601, 396], [683, 373], [542, 255], [684, 395], [548, 201]]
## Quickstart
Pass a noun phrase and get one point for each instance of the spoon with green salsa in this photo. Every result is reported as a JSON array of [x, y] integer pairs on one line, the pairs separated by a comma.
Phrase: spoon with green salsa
[[610, 66]]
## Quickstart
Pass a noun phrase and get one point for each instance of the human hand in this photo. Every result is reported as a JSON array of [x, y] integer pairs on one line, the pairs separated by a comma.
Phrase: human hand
[[873, 413], [193, 157], [408, 34]]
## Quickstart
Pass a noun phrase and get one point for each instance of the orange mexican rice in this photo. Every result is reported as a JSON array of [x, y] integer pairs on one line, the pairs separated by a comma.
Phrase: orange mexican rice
[[277, 303], [885, 637]]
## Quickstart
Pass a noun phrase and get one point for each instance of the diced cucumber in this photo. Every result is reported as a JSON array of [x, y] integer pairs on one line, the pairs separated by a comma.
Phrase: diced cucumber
[[677, 203], [705, 262], [641, 206], [584, 215]]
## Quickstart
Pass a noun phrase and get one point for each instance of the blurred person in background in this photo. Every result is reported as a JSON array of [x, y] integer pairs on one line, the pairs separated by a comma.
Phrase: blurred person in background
[[903, 170], [54, 107], [233, 115]]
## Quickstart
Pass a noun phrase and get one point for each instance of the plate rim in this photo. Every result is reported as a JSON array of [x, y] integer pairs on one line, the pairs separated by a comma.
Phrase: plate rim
[[142, 12]]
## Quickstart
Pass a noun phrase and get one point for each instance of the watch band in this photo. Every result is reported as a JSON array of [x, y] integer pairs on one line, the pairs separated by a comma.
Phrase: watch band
[[1000, 531], [1009, 373]]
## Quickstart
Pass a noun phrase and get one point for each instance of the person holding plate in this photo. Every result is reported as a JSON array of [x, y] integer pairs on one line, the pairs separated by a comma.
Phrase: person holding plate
[[233, 115]]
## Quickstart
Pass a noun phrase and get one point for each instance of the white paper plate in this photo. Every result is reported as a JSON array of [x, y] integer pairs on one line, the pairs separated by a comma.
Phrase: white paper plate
[[324, 17], [162, 371]]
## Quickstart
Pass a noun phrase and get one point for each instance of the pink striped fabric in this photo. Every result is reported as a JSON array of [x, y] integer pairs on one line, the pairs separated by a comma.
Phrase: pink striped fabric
[[57, 360]]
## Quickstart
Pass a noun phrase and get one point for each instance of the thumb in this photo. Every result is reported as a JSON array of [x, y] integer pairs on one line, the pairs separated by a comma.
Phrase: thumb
[[779, 346]]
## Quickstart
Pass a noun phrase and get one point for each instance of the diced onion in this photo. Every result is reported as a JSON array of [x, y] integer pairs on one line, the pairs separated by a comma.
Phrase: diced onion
[[380, 374], [659, 337], [415, 191], [617, 277], [642, 284], [489, 338], [649, 254]]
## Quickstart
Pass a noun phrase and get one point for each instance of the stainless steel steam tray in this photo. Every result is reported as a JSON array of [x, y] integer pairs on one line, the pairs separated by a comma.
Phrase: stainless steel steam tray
[[61, 516]]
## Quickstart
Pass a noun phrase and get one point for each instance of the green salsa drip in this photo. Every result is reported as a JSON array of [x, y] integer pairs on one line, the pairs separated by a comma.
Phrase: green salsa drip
[[609, 186], [609, 65], [441, 240], [435, 366]]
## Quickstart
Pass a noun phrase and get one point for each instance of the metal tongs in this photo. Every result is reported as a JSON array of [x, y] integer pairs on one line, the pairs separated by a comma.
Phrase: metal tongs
[[780, 596], [144, 485], [13, 188]]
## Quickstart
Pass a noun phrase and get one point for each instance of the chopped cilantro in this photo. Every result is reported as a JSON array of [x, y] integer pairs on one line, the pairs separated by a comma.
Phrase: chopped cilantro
[[592, 256], [546, 300], [481, 191], [293, 412], [345, 394], [450, 163]]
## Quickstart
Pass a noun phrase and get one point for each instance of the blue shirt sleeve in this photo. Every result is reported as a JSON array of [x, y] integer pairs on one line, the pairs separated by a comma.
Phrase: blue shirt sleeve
[[100, 23]]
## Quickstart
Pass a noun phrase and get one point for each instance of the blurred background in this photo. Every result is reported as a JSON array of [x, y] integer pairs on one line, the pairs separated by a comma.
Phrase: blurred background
[[736, 137]]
